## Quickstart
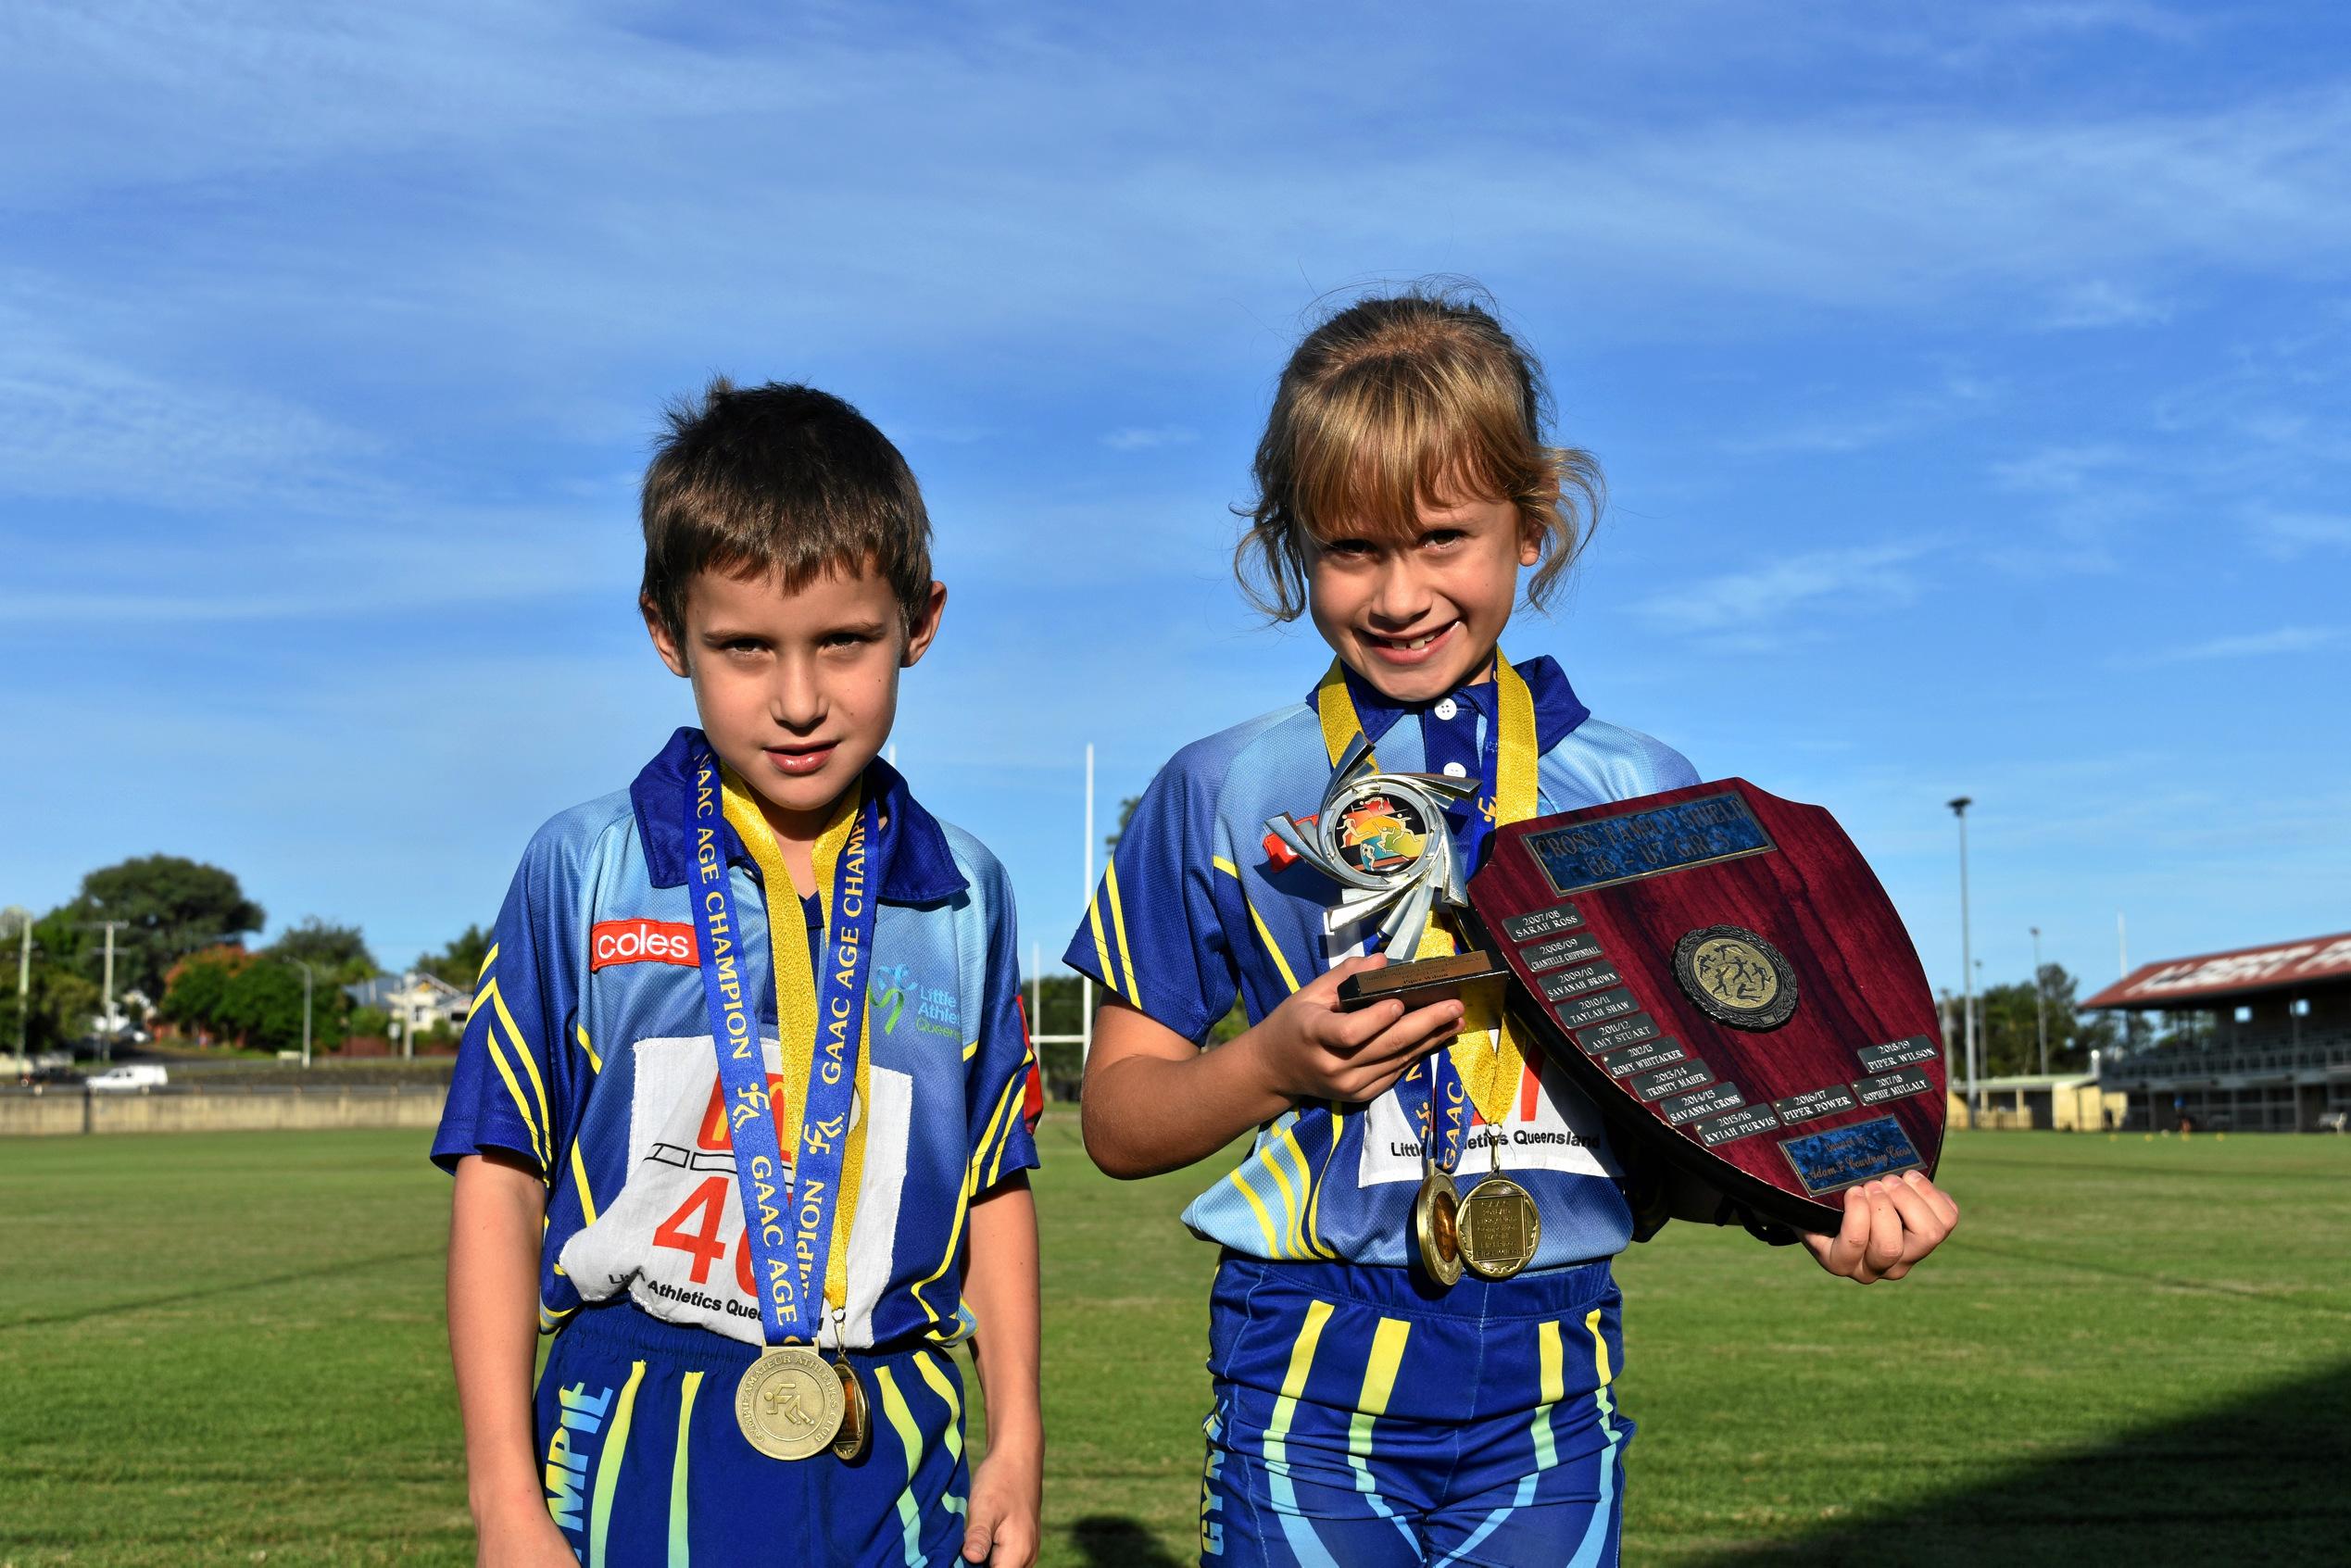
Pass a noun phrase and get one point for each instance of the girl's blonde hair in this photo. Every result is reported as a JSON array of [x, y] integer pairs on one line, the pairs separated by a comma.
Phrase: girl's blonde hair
[[1396, 401]]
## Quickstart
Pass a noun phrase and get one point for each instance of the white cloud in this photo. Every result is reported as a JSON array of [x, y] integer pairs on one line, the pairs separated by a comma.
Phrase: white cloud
[[2287, 536], [1743, 605], [2250, 645], [2099, 303], [1143, 438]]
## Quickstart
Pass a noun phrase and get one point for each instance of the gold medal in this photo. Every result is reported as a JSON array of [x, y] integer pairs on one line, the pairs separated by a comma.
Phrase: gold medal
[[1436, 1227], [856, 1416], [1498, 1228], [789, 1403]]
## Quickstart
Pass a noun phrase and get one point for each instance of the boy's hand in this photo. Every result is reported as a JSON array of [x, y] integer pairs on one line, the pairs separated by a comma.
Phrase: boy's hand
[[1889, 1225], [1002, 1527], [521, 1538], [1307, 1049]]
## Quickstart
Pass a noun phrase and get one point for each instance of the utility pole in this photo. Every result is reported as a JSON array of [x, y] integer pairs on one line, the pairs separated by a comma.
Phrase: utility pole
[[24, 970], [105, 1012], [1967, 964], [2040, 1003], [304, 965]]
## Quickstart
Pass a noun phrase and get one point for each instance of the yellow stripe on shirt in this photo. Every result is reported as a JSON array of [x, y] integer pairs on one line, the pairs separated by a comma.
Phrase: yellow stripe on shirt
[[514, 1089], [531, 1066], [1101, 943], [1272, 948], [1118, 924]]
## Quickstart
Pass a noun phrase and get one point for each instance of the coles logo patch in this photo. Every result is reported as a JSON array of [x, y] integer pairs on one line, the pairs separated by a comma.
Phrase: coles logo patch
[[637, 941]]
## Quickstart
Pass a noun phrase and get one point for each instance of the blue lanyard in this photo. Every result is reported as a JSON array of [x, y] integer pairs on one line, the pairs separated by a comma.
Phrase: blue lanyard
[[788, 1220], [1443, 1112]]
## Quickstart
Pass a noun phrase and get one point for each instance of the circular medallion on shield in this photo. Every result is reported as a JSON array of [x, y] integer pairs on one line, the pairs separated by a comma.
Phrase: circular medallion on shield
[[1375, 828], [1736, 977]]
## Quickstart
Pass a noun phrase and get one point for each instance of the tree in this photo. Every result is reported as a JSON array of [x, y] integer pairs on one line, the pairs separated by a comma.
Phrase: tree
[[263, 1007], [1125, 815], [460, 963], [339, 952], [196, 989], [2006, 1017], [170, 907], [58, 1010]]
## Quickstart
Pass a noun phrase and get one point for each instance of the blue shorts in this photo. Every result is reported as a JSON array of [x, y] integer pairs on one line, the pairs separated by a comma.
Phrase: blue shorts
[[1365, 1420], [644, 1463]]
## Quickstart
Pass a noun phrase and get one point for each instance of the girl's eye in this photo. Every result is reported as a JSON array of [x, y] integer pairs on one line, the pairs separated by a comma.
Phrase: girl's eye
[[1347, 549], [1442, 539]]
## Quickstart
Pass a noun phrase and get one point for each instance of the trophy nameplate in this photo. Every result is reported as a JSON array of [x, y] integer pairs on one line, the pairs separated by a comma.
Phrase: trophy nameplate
[[1719, 970]]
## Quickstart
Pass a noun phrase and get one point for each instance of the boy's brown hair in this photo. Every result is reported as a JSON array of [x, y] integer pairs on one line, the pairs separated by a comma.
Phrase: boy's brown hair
[[778, 480], [1396, 401]]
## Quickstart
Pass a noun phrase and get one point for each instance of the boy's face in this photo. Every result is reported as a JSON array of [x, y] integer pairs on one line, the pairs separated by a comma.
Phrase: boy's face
[[797, 688], [1418, 616]]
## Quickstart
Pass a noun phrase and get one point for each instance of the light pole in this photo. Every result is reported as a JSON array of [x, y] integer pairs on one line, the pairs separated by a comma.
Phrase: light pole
[[2040, 1004], [1966, 963], [1085, 982]]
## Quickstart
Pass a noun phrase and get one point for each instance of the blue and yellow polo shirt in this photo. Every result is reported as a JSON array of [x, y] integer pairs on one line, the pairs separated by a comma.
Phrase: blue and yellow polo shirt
[[588, 1053], [1192, 912]]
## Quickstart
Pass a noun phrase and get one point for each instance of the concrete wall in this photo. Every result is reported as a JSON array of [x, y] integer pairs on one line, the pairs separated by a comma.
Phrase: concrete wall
[[71, 1110]]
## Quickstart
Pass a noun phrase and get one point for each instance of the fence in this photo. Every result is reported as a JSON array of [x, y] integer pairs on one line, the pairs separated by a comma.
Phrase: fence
[[67, 1110]]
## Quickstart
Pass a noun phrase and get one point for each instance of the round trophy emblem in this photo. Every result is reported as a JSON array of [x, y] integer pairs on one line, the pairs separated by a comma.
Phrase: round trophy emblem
[[1377, 828], [1736, 977]]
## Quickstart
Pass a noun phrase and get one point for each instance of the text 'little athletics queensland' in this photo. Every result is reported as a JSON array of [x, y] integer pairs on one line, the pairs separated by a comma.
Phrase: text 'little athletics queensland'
[[1717, 967]]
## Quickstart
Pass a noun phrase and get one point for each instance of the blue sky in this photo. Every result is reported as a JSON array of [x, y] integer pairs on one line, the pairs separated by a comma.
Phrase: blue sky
[[1972, 393]]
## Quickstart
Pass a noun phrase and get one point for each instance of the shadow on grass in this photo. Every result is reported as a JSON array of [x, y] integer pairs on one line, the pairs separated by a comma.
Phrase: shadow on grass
[[1106, 1542], [2261, 1479]]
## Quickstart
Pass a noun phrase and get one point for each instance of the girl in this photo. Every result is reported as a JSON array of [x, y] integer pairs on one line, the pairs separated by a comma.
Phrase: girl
[[1366, 1415]]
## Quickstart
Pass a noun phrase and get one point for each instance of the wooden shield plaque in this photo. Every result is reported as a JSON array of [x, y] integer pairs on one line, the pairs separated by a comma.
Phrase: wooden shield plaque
[[1719, 968]]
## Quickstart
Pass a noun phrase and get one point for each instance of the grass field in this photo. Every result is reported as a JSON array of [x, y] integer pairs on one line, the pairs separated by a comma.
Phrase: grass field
[[228, 1348]]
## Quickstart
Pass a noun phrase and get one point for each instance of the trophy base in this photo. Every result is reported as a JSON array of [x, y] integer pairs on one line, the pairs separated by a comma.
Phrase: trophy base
[[1420, 982]]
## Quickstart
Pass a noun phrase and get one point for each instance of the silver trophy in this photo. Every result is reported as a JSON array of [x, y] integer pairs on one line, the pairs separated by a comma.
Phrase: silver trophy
[[1382, 837]]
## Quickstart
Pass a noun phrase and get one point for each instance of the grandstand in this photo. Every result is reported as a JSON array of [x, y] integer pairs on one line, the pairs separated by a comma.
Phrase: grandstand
[[2258, 1039]]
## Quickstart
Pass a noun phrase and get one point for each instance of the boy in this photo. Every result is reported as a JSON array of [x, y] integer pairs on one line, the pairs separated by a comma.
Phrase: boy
[[631, 1084]]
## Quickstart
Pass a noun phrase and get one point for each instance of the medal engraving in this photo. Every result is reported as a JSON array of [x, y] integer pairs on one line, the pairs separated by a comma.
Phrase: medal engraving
[[789, 1403], [1500, 1228]]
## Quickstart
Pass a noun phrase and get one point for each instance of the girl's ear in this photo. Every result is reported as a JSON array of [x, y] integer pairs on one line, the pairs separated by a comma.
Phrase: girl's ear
[[1530, 538]]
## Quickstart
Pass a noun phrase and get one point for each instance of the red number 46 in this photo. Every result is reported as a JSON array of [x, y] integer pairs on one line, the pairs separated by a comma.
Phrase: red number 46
[[693, 1230]]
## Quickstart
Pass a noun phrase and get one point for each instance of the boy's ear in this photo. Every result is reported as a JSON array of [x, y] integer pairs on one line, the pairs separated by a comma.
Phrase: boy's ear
[[925, 626], [664, 644]]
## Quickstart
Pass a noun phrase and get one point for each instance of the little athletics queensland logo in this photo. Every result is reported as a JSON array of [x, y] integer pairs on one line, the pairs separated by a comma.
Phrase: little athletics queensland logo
[[894, 995]]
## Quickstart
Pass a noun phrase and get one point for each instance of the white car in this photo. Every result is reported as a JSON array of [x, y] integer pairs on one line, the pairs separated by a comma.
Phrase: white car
[[137, 1075]]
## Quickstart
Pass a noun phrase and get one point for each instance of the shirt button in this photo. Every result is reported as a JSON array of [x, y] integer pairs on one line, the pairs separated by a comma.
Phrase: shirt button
[[1447, 708], [1455, 771]]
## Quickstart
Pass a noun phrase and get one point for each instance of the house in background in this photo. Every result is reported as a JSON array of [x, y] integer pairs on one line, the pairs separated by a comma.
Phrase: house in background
[[417, 1002]]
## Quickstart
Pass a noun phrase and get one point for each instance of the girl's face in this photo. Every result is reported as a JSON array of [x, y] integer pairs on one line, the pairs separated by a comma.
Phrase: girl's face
[[1419, 617]]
